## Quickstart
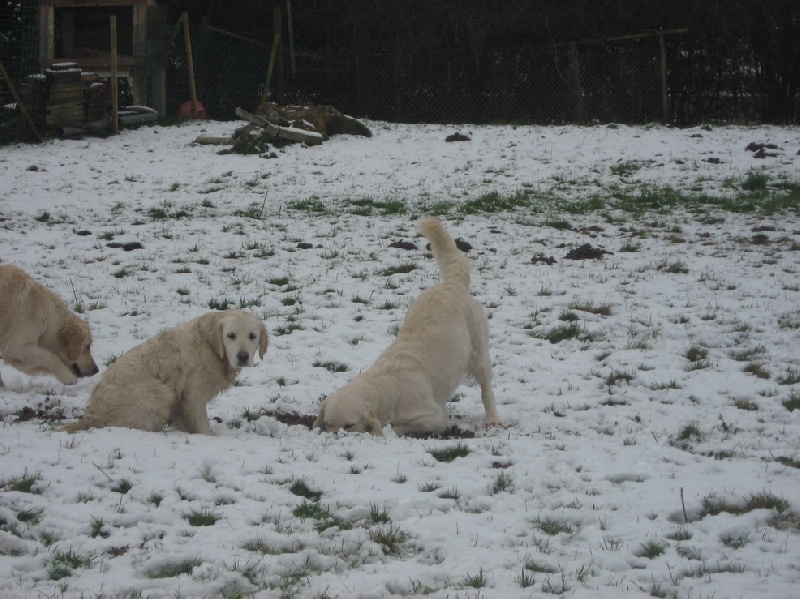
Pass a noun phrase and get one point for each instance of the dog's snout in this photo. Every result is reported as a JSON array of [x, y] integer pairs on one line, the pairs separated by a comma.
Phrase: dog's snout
[[243, 358], [88, 372]]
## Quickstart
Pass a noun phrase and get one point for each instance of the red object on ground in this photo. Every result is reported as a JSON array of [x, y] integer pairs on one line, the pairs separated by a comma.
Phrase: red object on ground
[[185, 109]]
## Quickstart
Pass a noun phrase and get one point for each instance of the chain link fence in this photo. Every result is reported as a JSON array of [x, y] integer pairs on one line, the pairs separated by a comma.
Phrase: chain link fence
[[569, 84], [611, 81]]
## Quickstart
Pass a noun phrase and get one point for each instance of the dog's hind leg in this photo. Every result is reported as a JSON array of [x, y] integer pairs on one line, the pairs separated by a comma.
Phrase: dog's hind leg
[[480, 366]]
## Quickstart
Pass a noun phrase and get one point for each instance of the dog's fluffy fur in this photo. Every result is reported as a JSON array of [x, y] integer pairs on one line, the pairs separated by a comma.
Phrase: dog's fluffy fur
[[38, 332], [172, 376], [444, 337]]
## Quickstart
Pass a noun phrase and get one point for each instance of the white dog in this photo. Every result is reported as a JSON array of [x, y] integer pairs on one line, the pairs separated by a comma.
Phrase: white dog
[[38, 333], [444, 337], [172, 376]]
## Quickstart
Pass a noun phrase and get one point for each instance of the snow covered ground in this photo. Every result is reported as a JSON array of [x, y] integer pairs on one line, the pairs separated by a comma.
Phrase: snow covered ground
[[650, 397]]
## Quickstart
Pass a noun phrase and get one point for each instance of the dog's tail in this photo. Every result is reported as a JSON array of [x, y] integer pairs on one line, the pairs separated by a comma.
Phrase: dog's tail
[[454, 266]]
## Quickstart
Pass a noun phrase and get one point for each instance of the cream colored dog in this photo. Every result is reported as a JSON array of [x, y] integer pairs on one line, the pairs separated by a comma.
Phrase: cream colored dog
[[38, 333], [445, 336], [172, 376]]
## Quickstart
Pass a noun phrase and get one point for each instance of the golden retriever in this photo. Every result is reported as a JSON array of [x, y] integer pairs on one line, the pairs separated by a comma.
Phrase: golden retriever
[[445, 336], [172, 376], [38, 332]]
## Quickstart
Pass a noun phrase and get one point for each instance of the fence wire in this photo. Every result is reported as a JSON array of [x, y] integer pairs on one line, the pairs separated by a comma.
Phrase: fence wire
[[617, 81]]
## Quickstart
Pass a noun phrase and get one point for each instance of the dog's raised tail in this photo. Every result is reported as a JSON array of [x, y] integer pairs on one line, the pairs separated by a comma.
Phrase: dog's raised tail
[[454, 266]]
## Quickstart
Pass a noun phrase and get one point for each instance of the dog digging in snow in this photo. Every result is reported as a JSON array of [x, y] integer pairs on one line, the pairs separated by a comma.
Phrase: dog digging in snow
[[444, 337]]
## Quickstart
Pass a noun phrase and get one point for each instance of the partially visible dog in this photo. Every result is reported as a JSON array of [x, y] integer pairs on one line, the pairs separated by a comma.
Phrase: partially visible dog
[[445, 336], [172, 376], [38, 332]]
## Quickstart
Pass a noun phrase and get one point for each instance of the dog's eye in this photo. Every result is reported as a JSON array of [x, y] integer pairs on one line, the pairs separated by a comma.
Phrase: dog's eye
[[231, 335], [252, 336]]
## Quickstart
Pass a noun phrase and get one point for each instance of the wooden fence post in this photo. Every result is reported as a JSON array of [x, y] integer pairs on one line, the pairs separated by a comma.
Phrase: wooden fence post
[[187, 42], [664, 91], [114, 82]]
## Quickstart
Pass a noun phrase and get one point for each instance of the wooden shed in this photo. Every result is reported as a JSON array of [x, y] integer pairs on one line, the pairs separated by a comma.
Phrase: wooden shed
[[78, 31]]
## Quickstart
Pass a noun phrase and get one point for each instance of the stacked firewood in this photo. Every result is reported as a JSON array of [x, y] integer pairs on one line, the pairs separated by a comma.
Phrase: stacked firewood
[[63, 95]]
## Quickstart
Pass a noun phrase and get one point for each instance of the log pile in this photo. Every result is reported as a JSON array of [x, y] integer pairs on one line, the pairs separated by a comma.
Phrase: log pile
[[273, 125]]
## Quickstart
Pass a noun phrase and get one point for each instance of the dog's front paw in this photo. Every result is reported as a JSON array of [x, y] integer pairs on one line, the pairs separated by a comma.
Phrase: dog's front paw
[[69, 379], [492, 423]]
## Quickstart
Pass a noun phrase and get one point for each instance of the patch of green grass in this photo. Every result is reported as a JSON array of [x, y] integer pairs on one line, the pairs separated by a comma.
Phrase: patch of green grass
[[651, 549], [696, 353], [158, 213], [615, 377], [122, 486], [390, 538], [29, 516], [174, 570], [756, 369], [792, 377], [202, 517], [493, 201], [300, 489], [681, 534], [428, 487], [370, 206], [475, 581], [313, 205], [331, 366], [448, 454], [563, 332], [219, 304], [398, 269], [690, 432], [24, 483], [553, 526], [502, 482], [792, 403], [677, 267], [735, 540], [755, 181], [592, 308], [64, 562], [746, 404], [713, 504], [625, 169]]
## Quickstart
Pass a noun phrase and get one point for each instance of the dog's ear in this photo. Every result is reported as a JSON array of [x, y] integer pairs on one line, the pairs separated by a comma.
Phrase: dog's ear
[[320, 421], [210, 327], [73, 338], [263, 341]]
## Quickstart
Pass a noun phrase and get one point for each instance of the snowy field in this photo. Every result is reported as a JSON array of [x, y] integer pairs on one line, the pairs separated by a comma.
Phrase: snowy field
[[649, 392]]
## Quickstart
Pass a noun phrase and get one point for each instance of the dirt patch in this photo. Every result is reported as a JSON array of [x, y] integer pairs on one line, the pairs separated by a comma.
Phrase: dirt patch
[[586, 252], [50, 414], [295, 419]]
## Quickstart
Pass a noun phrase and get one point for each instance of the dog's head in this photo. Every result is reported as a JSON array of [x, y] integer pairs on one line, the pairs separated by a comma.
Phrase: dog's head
[[349, 413], [75, 347], [238, 336]]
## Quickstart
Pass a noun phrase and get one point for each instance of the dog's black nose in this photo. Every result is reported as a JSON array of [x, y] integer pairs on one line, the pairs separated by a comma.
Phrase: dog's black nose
[[243, 357]]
